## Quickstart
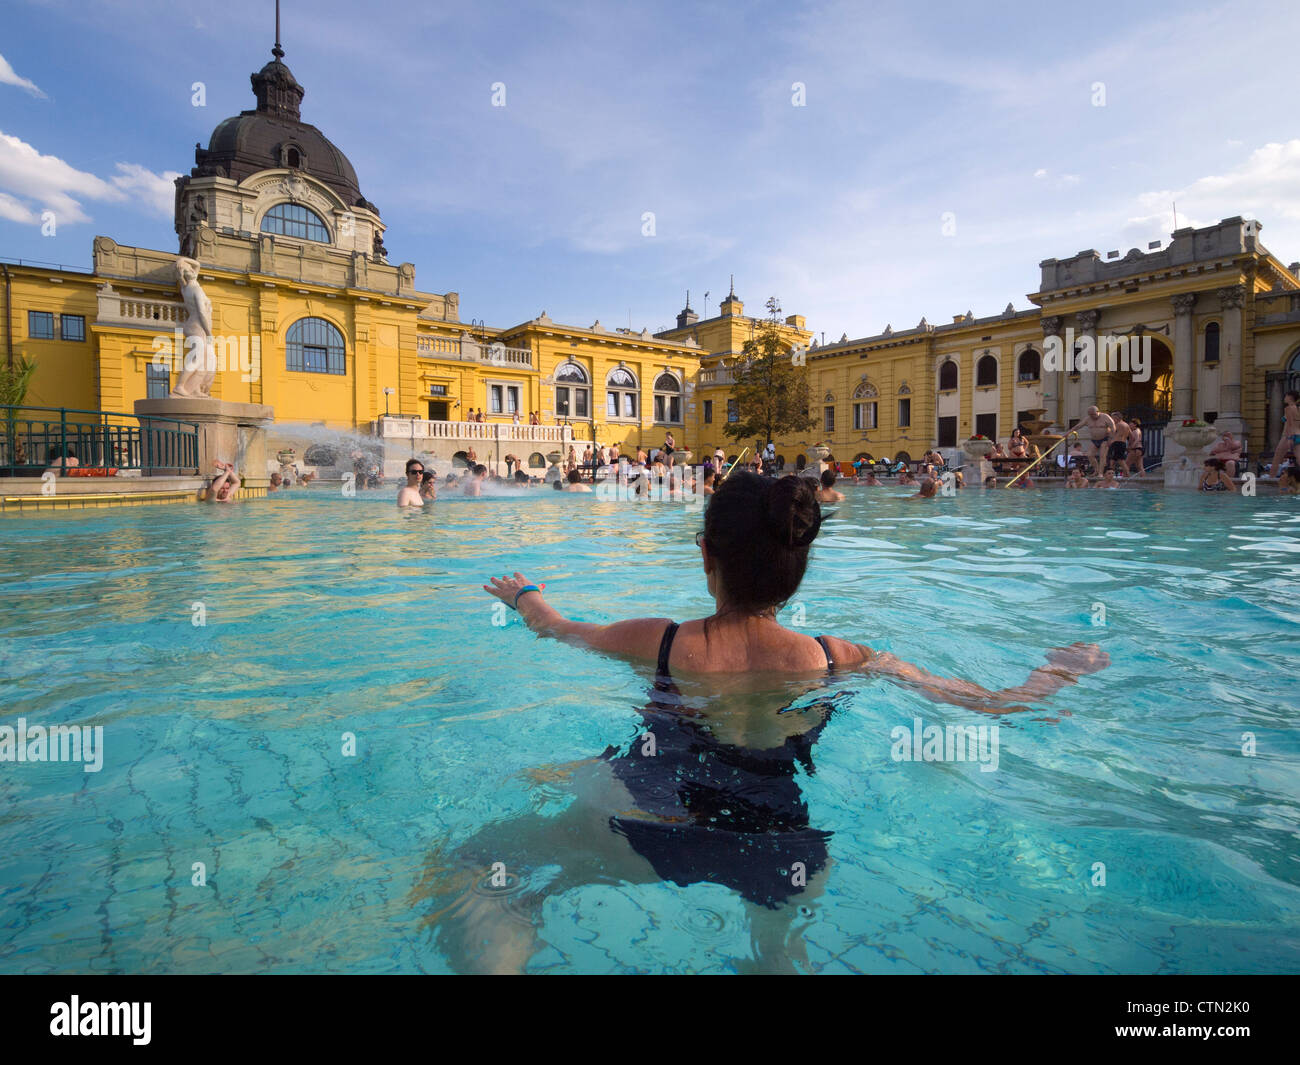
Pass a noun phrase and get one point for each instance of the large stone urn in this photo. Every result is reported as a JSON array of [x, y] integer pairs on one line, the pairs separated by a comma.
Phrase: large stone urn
[[977, 447], [820, 452]]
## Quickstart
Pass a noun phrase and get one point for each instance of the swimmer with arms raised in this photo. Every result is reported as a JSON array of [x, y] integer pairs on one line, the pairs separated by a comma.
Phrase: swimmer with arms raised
[[754, 551]]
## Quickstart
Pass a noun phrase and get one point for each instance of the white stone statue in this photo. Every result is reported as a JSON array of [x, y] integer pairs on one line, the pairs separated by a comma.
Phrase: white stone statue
[[199, 363]]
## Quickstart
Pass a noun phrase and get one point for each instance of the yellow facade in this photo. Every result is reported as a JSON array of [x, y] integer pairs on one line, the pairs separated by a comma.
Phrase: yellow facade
[[311, 319]]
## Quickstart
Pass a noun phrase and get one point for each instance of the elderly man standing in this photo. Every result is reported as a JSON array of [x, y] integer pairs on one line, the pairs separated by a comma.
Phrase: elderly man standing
[[1094, 430]]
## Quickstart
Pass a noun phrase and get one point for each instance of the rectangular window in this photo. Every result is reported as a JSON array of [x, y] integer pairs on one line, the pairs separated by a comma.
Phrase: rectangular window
[[315, 359], [905, 413], [733, 411], [40, 325], [73, 327], [157, 381], [829, 415], [659, 408], [512, 399], [948, 432], [675, 410], [581, 403], [495, 398], [562, 402], [708, 412], [611, 404], [986, 425], [864, 416], [629, 404]]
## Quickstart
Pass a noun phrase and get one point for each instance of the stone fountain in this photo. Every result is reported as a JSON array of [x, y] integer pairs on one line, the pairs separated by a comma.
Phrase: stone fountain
[[1034, 427]]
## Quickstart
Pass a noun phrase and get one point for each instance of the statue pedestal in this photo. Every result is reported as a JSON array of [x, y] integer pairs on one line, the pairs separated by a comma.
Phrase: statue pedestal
[[229, 432]]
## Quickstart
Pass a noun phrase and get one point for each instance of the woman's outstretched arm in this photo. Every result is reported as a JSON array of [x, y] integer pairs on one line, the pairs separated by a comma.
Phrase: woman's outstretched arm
[[1065, 665], [636, 638]]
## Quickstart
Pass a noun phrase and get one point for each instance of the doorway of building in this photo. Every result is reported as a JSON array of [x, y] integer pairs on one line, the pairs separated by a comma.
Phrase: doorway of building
[[438, 410]]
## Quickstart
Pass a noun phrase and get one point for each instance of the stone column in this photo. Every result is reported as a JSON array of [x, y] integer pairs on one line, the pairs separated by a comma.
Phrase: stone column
[[1087, 322], [1232, 299], [1053, 387], [1184, 357], [231, 432]]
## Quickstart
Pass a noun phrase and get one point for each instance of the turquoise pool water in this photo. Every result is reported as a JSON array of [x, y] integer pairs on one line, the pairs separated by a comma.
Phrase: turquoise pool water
[[224, 743]]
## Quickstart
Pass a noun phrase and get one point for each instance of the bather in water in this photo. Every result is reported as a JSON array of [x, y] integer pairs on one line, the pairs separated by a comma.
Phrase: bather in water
[[708, 790]]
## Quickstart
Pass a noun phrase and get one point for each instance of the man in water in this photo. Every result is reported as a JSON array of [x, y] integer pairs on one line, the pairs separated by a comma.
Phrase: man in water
[[409, 494], [224, 487], [474, 483], [575, 483], [827, 493], [1097, 429]]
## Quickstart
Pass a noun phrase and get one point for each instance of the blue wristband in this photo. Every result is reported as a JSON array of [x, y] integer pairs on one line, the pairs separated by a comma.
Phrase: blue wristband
[[525, 588]]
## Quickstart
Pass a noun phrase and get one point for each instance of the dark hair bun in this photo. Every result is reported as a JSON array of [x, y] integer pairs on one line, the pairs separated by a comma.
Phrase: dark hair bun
[[758, 531], [793, 513]]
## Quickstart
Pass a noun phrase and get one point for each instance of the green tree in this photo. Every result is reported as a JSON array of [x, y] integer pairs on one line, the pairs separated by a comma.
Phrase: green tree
[[770, 392]]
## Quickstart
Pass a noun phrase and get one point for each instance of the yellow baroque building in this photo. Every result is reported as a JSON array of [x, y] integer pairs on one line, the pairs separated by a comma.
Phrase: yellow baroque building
[[311, 319]]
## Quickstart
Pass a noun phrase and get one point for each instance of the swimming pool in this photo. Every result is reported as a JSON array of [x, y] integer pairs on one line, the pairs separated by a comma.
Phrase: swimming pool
[[325, 616]]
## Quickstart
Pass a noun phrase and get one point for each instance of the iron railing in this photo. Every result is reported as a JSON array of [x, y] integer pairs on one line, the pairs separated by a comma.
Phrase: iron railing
[[33, 439]]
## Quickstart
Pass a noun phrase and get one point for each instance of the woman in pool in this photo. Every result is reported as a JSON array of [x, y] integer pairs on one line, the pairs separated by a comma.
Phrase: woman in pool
[[709, 789], [1214, 478]]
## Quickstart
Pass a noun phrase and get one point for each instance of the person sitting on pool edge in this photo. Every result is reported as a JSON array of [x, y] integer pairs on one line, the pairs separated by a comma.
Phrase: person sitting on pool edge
[[827, 493], [223, 486], [754, 553], [409, 494]]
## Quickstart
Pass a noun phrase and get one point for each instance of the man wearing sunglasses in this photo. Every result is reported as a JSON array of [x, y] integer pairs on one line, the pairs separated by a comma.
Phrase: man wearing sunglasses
[[409, 494]]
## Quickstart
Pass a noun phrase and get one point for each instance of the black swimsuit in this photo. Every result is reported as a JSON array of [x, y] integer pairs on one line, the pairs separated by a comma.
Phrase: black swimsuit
[[721, 813]]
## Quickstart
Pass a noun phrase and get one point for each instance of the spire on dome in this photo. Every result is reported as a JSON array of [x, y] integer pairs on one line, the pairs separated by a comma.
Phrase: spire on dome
[[276, 89], [277, 51]]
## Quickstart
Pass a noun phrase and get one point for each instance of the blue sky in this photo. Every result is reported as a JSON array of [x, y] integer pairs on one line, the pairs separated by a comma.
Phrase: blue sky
[[914, 112]]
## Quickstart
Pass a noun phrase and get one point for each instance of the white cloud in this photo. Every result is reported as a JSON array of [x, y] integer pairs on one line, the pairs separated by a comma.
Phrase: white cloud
[[26, 174], [1262, 187], [156, 191], [15, 211], [9, 77], [1040, 173]]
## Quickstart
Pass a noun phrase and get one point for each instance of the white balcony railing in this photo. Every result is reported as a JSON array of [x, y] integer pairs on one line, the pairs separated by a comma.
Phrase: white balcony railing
[[425, 429], [465, 348], [117, 308]]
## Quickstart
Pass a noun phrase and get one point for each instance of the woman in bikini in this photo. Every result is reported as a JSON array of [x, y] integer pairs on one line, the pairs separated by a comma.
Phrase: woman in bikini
[[1214, 478], [1134, 456]]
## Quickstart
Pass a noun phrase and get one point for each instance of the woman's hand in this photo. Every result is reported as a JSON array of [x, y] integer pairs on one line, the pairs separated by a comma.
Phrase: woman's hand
[[507, 588]]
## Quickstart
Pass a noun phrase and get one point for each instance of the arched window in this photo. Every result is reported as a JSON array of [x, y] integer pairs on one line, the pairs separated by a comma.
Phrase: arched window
[[314, 345], [295, 220], [572, 391], [865, 407], [621, 393], [947, 376], [294, 158], [668, 399], [1212, 342], [537, 460], [986, 371], [1029, 366]]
